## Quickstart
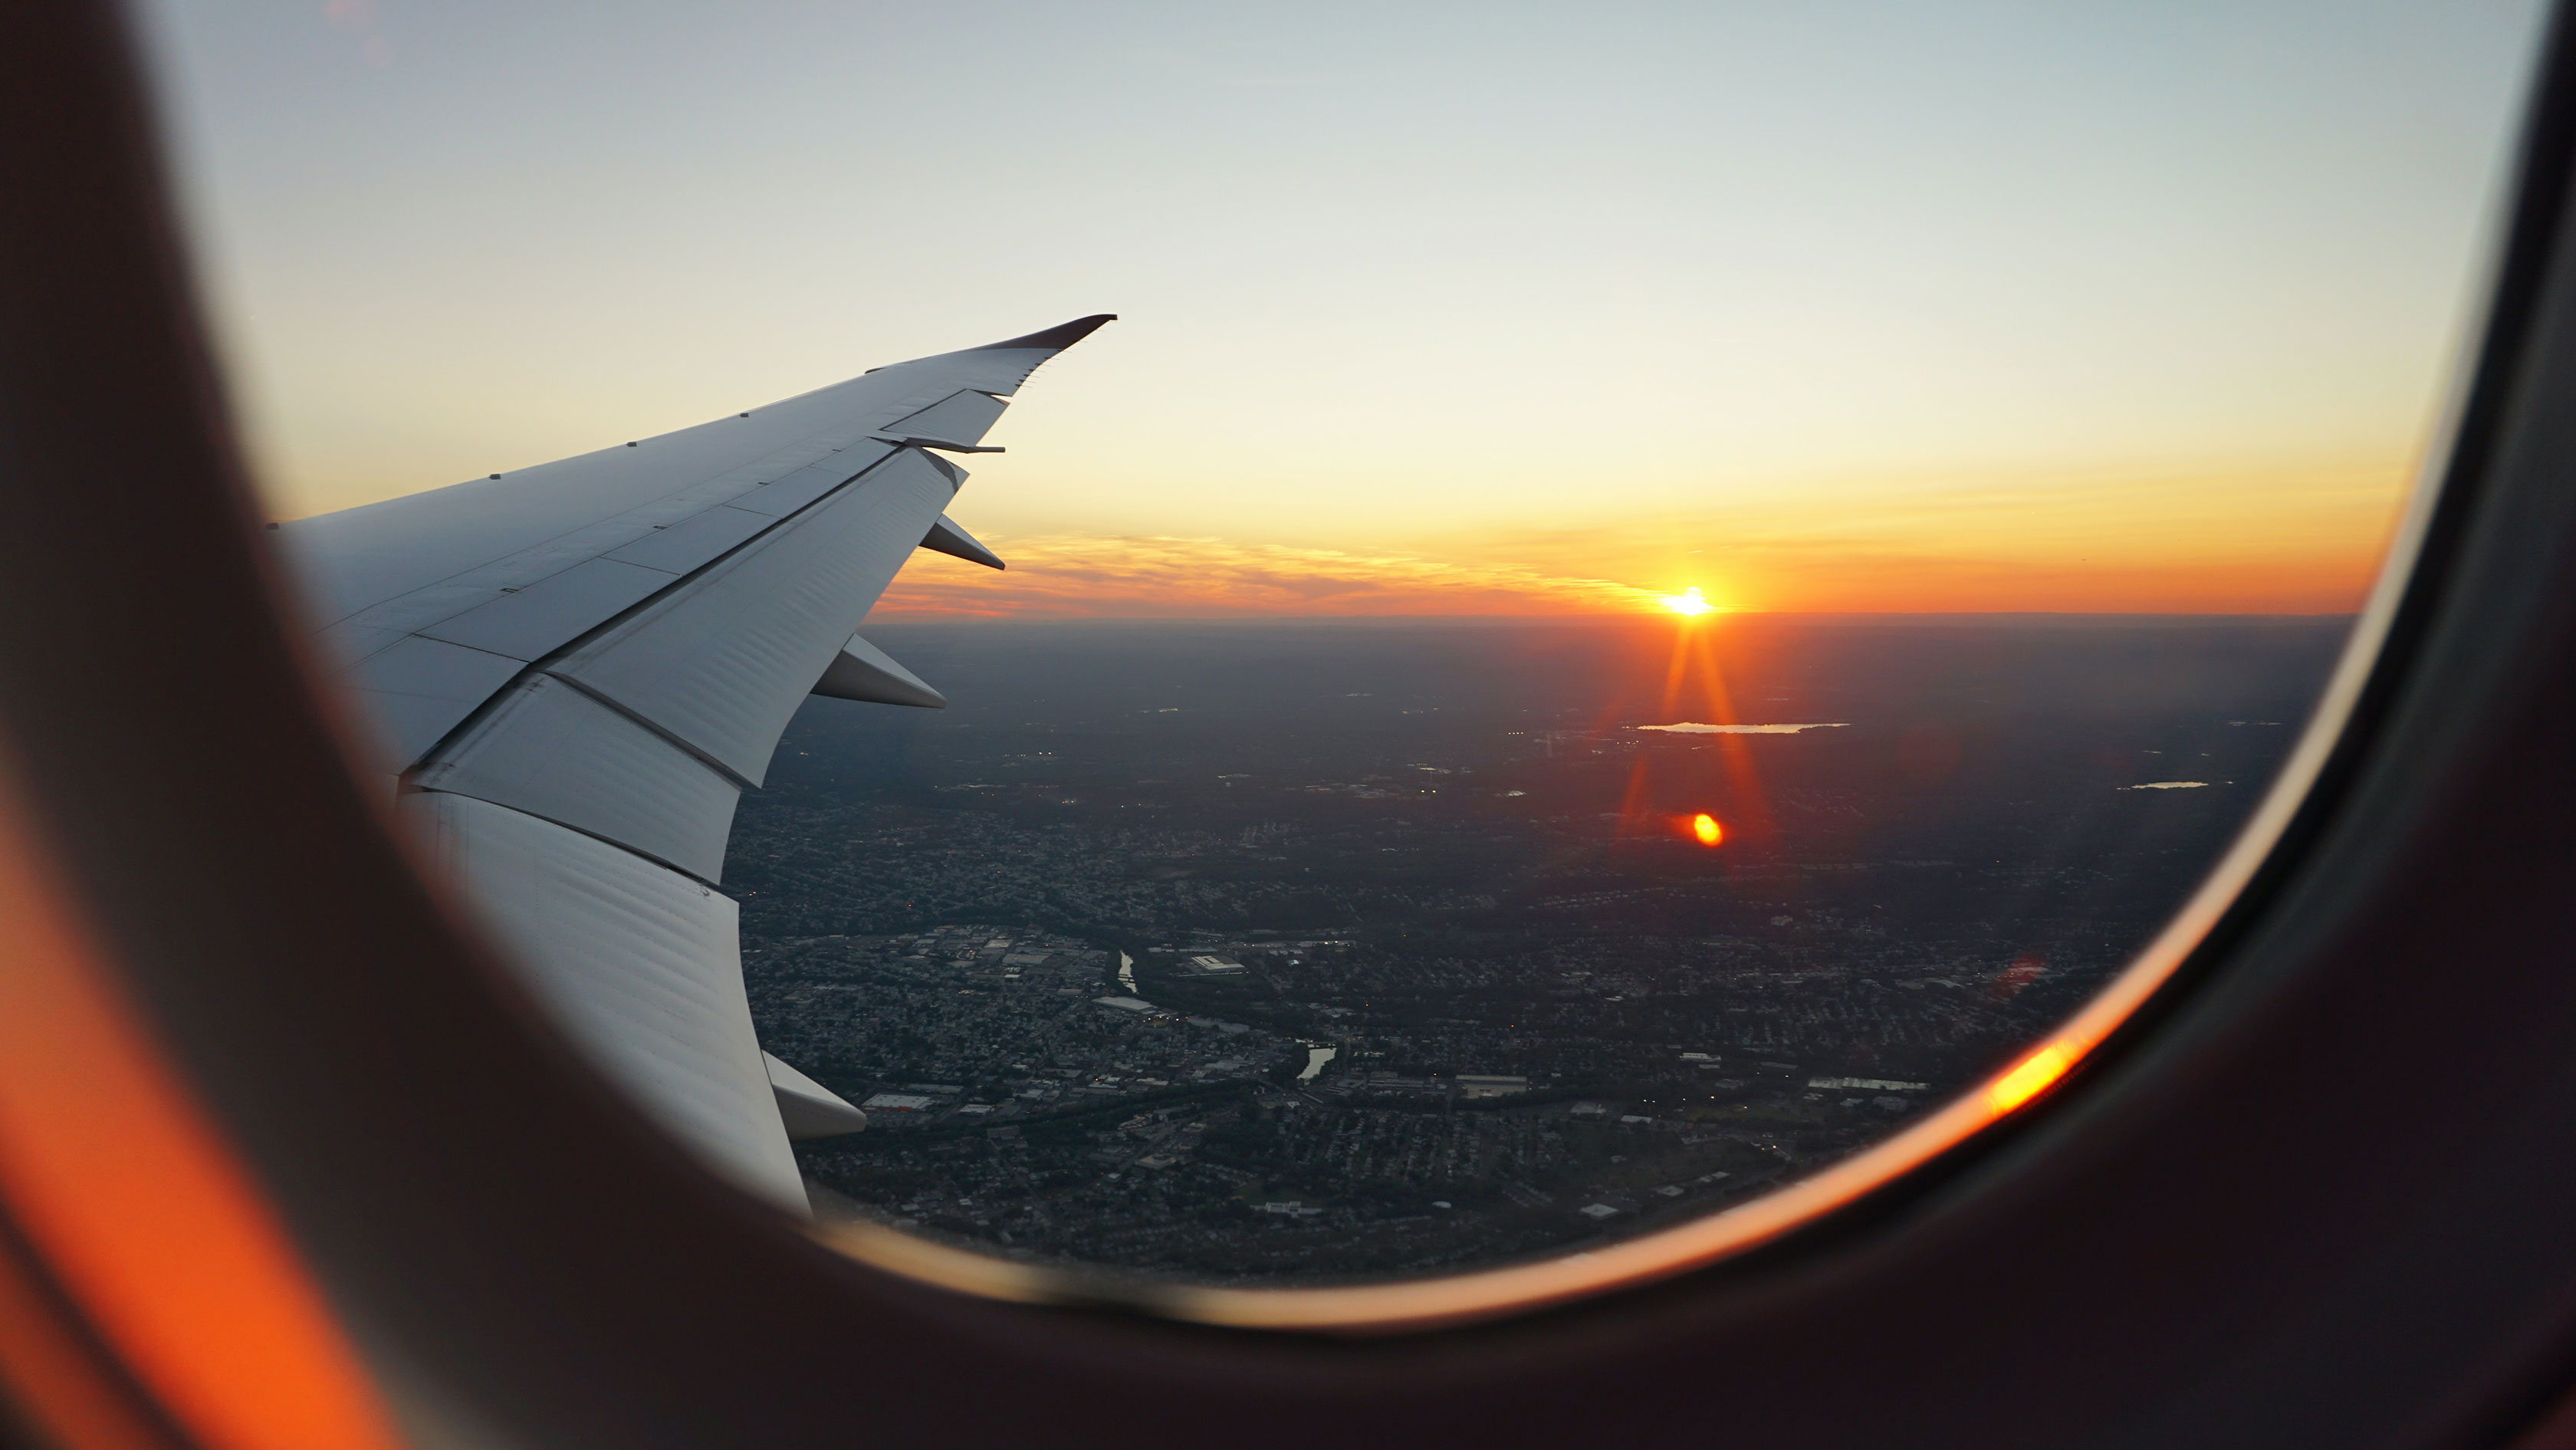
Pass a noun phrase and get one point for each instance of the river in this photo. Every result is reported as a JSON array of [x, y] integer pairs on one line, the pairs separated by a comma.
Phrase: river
[[1316, 1054]]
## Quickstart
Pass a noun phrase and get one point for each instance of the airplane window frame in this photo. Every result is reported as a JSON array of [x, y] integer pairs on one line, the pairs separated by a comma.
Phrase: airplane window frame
[[478, 1231]]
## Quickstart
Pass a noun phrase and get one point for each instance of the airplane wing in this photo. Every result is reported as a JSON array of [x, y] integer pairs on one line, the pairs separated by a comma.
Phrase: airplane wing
[[578, 668]]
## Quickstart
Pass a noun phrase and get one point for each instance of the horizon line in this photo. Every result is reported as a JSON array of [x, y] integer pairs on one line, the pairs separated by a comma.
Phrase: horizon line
[[965, 616]]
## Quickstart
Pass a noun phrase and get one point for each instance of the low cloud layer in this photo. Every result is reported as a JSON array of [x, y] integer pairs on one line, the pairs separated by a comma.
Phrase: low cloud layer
[[1099, 575], [1693, 727]]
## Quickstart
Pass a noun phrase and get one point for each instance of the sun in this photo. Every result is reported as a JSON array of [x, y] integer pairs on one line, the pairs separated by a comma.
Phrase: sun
[[1688, 602]]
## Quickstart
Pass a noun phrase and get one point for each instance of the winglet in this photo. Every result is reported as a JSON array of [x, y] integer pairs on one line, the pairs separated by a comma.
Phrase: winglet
[[1059, 337]]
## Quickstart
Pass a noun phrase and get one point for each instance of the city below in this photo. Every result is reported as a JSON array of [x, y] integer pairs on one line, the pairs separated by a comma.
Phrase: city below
[[1294, 954]]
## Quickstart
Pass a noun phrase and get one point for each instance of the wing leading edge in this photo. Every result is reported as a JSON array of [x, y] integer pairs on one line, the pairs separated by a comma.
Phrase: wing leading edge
[[578, 668]]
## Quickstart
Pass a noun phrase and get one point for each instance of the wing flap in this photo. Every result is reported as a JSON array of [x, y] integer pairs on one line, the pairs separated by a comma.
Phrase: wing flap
[[557, 754], [725, 662], [640, 966]]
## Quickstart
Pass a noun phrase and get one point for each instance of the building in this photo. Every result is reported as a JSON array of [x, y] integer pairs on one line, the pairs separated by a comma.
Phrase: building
[[1216, 966], [1471, 1085]]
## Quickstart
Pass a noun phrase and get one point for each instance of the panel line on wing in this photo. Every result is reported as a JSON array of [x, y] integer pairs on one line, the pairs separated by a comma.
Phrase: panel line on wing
[[673, 867], [693, 752], [725, 664], [557, 751], [961, 419], [542, 664]]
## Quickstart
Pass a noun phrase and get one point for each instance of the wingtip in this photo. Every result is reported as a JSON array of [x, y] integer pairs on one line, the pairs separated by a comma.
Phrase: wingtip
[[1061, 336]]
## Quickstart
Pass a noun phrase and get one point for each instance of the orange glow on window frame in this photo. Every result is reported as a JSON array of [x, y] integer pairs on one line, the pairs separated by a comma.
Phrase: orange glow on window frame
[[152, 1229], [2029, 1077]]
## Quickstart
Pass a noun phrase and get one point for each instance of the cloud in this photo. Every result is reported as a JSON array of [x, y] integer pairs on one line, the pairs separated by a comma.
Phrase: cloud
[[2283, 541], [1693, 727], [1146, 576]]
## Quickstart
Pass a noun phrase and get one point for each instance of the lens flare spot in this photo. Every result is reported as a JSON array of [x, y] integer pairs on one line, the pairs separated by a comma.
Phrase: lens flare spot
[[1688, 601], [1706, 830], [2029, 1078]]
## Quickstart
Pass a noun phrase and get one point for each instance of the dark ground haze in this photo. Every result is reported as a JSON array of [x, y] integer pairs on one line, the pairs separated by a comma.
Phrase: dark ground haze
[[1995, 741]]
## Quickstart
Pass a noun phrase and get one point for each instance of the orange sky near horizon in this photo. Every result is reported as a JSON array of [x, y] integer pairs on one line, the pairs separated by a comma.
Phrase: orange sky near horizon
[[2280, 542]]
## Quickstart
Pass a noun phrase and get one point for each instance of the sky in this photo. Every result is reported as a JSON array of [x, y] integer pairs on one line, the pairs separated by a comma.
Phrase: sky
[[2075, 305]]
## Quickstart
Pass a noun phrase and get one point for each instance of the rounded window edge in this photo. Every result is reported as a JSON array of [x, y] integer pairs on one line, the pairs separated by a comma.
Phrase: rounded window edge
[[1192, 1305]]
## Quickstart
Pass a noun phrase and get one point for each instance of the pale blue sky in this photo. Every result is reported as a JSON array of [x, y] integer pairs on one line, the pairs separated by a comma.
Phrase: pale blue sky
[[1400, 271]]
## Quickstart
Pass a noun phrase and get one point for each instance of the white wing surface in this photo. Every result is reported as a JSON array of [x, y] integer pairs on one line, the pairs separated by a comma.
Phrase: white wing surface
[[578, 668]]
